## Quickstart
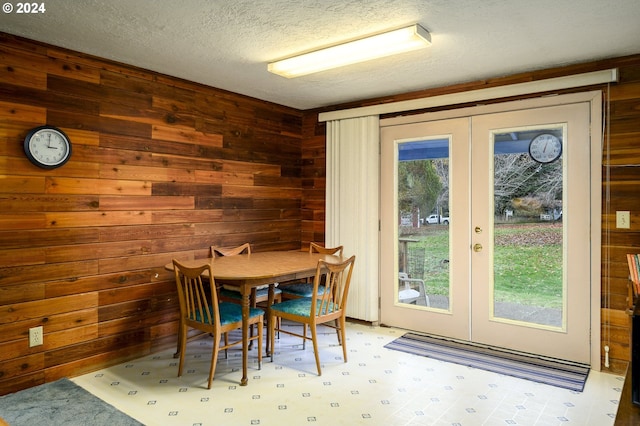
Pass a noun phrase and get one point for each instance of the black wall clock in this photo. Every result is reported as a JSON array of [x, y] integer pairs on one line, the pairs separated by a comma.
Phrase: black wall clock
[[47, 147]]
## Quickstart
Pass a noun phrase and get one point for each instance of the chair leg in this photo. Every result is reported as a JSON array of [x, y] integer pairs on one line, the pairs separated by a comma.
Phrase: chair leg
[[272, 333], [214, 356], [260, 331], [183, 344], [304, 339], [251, 337], [314, 338], [226, 344], [179, 345], [343, 333]]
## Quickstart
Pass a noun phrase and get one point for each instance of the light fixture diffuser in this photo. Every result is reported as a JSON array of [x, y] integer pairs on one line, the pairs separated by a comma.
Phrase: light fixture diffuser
[[376, 46]]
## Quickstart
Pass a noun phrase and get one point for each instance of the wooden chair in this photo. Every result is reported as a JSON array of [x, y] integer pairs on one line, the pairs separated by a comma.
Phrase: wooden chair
[[305, 289], [231, 293], [328, 308], [200, 310]]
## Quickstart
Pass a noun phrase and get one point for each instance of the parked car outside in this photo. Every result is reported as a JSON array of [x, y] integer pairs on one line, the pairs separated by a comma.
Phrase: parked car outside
[[434, 219]]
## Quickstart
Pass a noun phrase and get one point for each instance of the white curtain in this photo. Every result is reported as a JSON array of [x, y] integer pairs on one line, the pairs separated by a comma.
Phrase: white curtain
[[352, 217]]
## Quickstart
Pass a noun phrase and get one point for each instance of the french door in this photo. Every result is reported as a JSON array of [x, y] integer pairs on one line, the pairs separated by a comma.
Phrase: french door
[[485, 234]]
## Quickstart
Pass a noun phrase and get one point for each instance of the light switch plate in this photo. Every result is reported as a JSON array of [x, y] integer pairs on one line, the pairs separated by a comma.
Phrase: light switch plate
[[623, 219]]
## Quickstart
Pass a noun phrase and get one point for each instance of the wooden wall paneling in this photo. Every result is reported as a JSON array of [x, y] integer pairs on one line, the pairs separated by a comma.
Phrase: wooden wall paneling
[[621, 173], [313, 179], [222, 178], [18, 293], [25, 76], [17, 367], [92, 346], [144, 173], [68, 66], [95, 283], [160, 169], [146, 291], [131, 263], [10, 275], [98, 218], [55, 322], [182, 216], [11, 112], [46, 307], [75, 252], [29, 202], [146, 202], [146, 152], [21, 185], [62, 185], [619, 346], [21, 257], [160, 232], [18, 238], [24, 221]]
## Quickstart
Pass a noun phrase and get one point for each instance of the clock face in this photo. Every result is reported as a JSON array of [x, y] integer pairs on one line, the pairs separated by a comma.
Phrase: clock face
[[545, 148], [47, 147]]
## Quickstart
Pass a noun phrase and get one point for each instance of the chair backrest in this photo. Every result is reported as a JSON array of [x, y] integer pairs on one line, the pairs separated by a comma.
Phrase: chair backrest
[[230, 251], [197, 296], [336, 278], [316, 248]]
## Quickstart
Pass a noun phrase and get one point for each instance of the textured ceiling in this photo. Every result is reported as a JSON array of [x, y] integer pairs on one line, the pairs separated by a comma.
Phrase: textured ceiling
[[227, 43]]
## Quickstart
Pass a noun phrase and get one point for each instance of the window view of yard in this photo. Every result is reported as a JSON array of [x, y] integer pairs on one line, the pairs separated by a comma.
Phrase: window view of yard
[[528, 263], [528, 232]]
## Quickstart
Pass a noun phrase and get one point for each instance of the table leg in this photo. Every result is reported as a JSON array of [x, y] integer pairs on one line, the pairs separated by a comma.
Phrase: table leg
[[268, 313], [246, 292]]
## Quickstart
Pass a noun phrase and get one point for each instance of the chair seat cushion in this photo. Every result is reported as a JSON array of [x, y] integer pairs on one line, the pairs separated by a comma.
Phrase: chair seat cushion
[[235, 294], [300, 307], [301, 289], [232, 312]]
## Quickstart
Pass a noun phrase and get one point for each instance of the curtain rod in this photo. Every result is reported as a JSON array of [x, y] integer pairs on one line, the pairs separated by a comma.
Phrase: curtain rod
[[549, 84]]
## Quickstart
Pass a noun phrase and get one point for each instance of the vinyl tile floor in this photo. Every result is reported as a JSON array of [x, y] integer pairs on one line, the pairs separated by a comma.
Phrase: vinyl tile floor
[[377, 386]]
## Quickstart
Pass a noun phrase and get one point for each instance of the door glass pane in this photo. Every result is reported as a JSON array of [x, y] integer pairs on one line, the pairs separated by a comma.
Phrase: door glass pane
[[528, 285], [423, 223]]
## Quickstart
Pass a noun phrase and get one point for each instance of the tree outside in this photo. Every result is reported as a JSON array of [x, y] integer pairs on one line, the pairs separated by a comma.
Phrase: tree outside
[[527, 209]]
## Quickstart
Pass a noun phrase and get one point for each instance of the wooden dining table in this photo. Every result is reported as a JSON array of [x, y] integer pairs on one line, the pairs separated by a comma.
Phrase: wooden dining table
[[248, 271]]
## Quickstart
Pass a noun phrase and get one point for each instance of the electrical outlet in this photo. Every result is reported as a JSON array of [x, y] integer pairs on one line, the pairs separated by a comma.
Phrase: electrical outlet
[[35, 336], [623, 219]]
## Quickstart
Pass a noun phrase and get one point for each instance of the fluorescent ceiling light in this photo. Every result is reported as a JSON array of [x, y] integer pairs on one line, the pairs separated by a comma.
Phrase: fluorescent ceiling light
[[377, 46]]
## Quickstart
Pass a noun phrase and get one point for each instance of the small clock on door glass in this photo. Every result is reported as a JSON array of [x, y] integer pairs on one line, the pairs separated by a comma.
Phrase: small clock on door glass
[[47, 147], [545, 148]]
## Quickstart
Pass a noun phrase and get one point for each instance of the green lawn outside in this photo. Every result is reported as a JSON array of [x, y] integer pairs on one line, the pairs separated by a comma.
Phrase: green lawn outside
[[527, 262]]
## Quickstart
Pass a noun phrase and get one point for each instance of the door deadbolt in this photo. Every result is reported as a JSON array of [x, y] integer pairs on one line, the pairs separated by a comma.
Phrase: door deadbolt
[[477, 247]]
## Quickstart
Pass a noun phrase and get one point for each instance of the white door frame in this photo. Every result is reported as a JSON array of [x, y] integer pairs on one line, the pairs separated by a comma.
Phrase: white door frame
[[595, 100]]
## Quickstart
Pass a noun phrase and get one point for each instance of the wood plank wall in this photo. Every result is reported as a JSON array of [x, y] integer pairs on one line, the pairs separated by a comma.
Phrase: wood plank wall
[[621, 179], [161, 168]]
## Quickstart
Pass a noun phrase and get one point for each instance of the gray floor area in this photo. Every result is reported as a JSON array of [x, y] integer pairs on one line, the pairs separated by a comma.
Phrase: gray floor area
[[512, 311]]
